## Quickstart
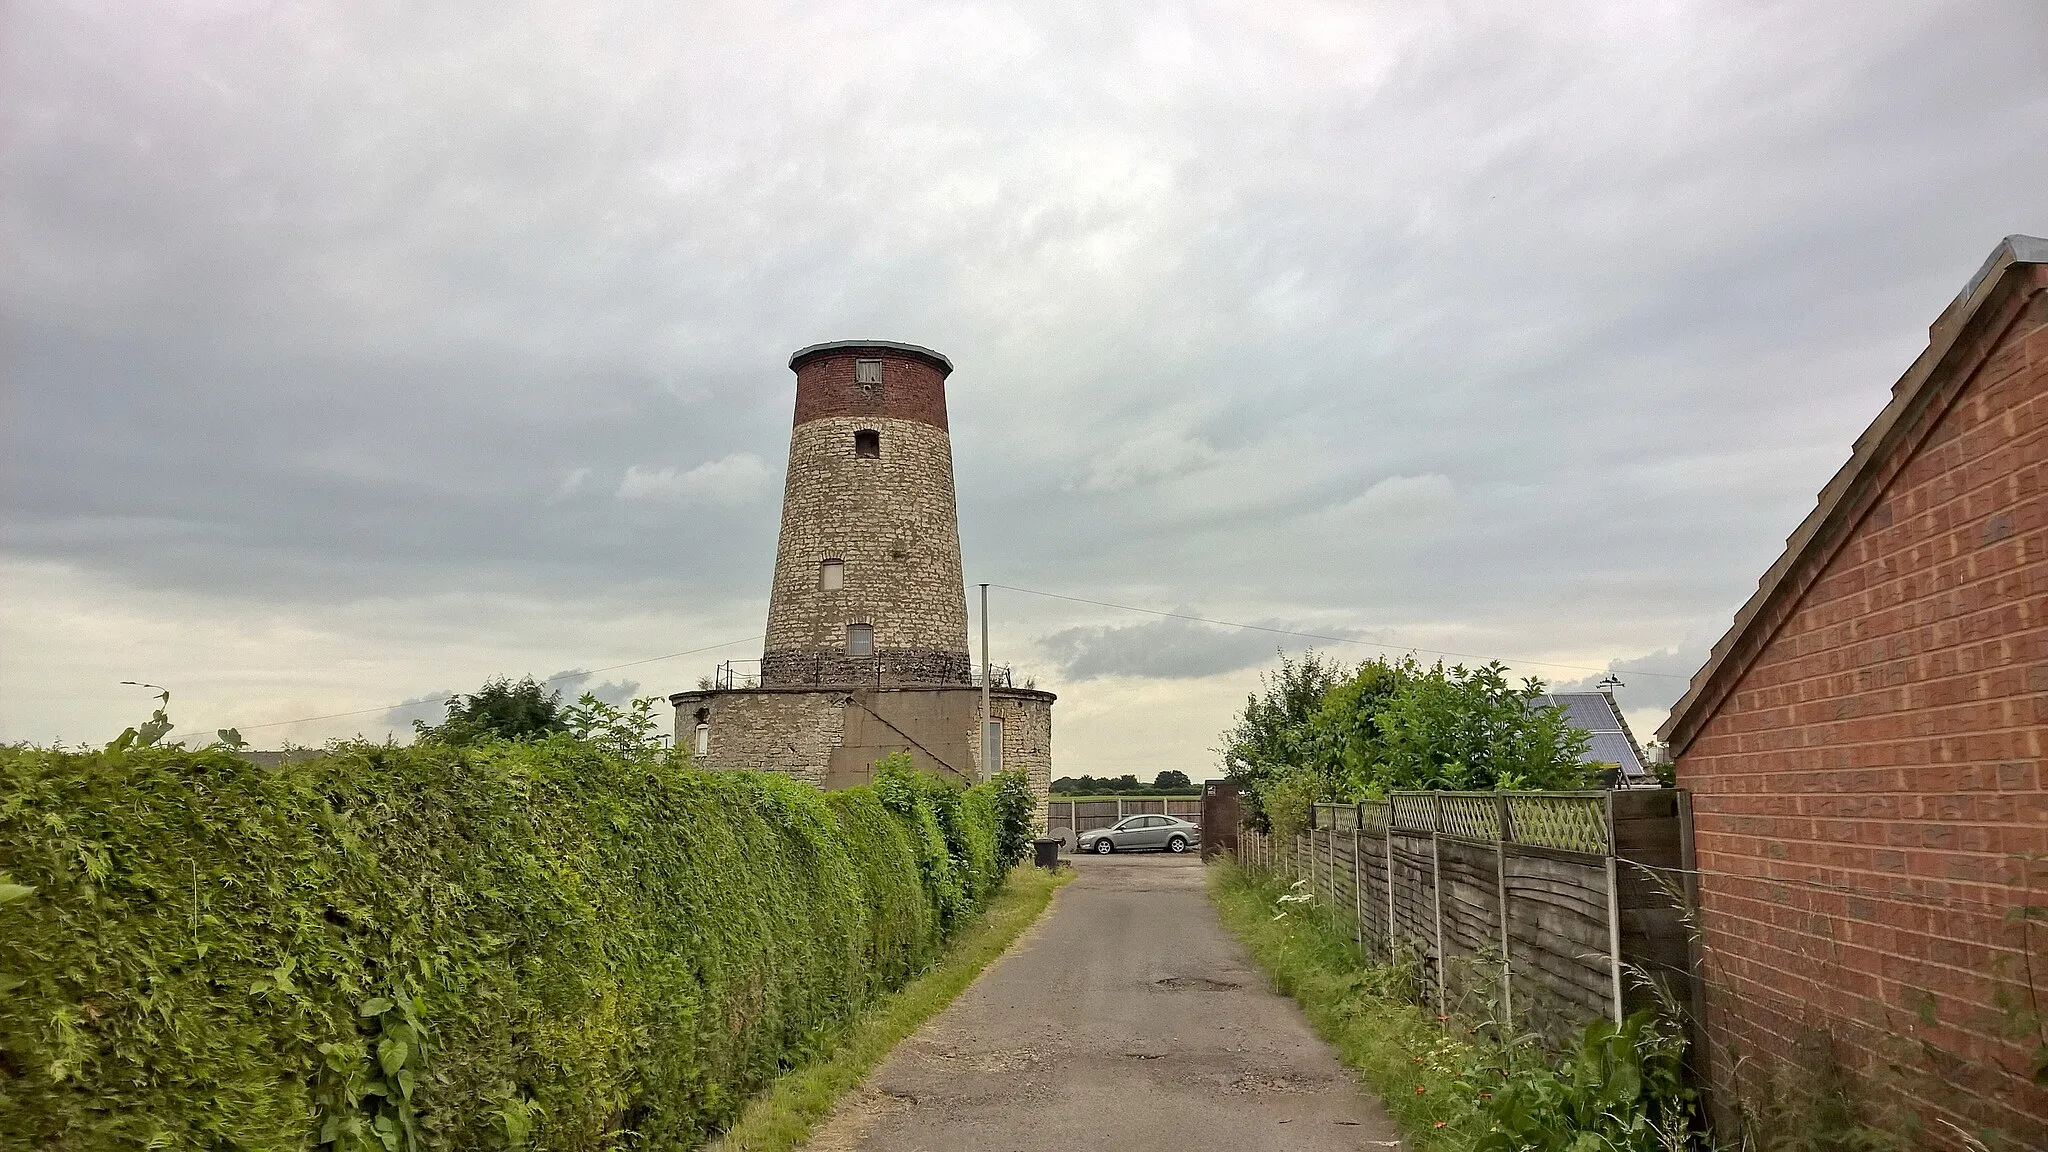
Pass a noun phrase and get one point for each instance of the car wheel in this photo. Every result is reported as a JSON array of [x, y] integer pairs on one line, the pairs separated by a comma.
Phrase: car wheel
[[1177, 844], [1103, 847]]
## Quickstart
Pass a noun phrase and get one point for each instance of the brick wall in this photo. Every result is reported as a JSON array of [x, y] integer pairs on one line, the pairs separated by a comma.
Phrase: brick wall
[[1868, 791]]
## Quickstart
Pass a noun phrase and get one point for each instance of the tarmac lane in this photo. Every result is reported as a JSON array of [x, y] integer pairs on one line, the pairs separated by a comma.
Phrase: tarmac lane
[[1128, 1018]]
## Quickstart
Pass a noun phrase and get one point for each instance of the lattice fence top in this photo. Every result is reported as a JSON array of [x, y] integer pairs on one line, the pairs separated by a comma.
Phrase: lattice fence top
[[1569, 820], [1471, 817], [1574, 823], [1414, 811]]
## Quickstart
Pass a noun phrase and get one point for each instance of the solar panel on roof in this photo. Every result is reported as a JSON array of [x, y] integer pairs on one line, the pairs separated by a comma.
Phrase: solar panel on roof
[[1611, 743]]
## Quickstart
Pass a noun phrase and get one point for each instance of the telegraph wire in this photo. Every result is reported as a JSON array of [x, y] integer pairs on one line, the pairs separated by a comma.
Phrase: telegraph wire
[[571, 675], [1028, 592], [1318, 636]]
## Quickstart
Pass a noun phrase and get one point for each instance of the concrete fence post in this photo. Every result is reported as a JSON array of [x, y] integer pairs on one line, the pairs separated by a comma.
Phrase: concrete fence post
[[1357, 888], [1502, 831], [1330, 847], [1436, 892], [1613, 908], [1390, 882]]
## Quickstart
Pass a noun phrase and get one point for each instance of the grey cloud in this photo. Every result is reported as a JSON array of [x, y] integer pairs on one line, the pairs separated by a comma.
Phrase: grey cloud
[[431, 708], [330, 306], [1164, 649], [575, 682]]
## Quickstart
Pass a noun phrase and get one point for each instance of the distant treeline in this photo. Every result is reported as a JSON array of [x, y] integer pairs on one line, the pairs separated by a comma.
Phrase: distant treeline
[[1167, 783]]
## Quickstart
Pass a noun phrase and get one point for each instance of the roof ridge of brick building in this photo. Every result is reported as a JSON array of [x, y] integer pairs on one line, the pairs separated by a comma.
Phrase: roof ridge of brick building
[[1837, 509]]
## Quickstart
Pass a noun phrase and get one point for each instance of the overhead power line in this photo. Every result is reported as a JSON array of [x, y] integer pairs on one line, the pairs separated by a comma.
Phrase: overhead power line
[[572, 675], [1319, 636]]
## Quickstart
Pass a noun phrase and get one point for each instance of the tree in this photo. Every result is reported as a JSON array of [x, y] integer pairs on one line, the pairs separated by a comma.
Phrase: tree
[[1470, 729], [1317, 732], [1273, 734], [499, 710], [1172, 781]]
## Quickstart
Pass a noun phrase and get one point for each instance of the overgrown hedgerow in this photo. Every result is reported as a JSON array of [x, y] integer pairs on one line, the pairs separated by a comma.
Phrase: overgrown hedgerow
[[541, 944]]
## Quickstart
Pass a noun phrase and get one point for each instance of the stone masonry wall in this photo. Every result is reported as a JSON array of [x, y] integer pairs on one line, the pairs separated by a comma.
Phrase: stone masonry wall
[[1870, 797], [1027, 740], [793, 733], [893, 522]]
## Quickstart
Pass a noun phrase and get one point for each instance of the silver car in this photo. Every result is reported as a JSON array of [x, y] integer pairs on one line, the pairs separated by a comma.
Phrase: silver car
[[1166, 833]]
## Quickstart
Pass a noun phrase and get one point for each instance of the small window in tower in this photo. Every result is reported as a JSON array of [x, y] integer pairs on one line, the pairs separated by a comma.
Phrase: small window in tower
[[867, 444], [832, 575], [867, 372], [703, 739], [860, 640]]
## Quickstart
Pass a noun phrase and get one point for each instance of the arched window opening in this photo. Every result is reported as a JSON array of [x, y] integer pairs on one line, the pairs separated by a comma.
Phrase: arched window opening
[[867, 444]]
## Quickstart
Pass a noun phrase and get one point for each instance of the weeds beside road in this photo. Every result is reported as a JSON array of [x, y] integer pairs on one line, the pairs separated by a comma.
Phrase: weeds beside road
[[1453, 1084]]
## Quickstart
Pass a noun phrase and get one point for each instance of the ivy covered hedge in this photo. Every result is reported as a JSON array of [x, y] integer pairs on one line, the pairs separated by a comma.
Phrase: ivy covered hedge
[[545, 944]]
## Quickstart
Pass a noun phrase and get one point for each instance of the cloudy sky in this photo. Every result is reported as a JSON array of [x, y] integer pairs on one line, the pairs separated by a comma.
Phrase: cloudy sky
[[355, 352]]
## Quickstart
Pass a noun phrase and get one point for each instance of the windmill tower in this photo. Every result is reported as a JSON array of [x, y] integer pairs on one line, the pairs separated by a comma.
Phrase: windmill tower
[[868, 587], [866, 652]]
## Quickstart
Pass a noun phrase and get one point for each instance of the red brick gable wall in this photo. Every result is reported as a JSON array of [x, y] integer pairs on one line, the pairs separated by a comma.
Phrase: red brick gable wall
[[1866, 796]]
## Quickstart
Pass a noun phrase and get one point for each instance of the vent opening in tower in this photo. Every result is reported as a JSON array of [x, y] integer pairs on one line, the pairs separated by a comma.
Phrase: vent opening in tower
[[867, 444], [867, 371]]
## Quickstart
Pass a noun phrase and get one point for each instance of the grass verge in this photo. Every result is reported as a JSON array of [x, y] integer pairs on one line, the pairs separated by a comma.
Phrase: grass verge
[[782, 1115], [1402, 1052]]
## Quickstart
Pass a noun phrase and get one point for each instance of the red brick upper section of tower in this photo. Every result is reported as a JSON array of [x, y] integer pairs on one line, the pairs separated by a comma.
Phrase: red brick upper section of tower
[[880, 381]]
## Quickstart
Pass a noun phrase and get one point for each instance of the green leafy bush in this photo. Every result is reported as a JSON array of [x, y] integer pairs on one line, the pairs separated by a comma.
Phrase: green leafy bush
[[1318, 732], [557, 943], [1016, 814]]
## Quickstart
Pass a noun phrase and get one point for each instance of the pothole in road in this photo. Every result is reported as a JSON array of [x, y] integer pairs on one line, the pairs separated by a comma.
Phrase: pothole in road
[[1196, 984]]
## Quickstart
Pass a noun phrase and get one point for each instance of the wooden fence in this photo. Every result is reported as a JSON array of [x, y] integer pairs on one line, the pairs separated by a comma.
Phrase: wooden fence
[[1547, 909], [1073, 817]]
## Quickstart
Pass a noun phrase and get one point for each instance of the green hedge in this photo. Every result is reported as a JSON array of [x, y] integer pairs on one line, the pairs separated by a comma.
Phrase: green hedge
[[541, 945]]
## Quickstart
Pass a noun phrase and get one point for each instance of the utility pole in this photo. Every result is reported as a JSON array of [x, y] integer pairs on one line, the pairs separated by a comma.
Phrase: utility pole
[[988, 754]]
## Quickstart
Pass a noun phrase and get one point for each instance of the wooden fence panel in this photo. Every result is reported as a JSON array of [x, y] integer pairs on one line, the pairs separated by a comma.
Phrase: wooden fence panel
[[1581, 894]]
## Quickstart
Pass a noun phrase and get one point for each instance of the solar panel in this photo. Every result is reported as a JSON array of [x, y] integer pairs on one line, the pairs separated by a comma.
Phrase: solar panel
[[1611, 743]]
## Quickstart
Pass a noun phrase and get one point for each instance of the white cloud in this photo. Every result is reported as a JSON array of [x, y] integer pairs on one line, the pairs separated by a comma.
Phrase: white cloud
[[1158, 455], [736, 479], [570, 485], [1400, 497]]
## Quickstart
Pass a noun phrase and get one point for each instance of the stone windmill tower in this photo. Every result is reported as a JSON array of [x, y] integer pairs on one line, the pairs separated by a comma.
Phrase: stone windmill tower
[[866, 651], [868, 587]]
